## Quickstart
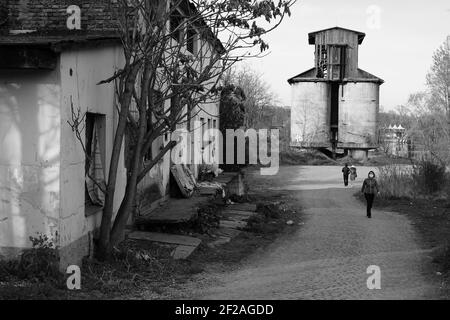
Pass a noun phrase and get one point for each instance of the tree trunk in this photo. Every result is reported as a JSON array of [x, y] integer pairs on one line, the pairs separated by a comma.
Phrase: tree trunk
[[104, 246], [117, 232]]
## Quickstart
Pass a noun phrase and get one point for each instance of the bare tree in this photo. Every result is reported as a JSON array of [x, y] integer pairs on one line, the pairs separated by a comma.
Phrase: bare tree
[[428, 128], [166, 79], [258, 93], [430, 110], [438, 80]]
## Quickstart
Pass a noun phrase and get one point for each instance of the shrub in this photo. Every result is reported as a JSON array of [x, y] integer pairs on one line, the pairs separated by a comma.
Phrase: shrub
[[41, 262], [424, 178], [396, 182], [429, 177]]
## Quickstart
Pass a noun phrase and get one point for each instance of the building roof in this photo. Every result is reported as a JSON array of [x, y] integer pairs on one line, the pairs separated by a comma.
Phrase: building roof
[[311, 76], [312, 35], [46, 21], [57, 39]]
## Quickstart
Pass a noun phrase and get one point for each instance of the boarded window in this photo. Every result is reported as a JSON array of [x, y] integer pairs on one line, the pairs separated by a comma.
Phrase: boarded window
[[337, 62], [95, 159]]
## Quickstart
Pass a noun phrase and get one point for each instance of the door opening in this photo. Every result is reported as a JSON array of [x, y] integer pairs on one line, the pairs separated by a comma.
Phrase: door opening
[[334, 116]]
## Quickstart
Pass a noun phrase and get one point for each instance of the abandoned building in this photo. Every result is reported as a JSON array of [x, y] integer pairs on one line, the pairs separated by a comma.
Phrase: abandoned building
[[335, 105], [395, 141], [45, 71]]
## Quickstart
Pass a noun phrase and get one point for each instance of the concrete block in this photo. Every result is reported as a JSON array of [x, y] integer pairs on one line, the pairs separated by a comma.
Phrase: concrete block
[[183, 252], [233, 224], [165, 238]]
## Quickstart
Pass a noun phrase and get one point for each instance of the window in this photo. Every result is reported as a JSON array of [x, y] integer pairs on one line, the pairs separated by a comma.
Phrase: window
[[202, 132], [157, 104], [191, 40], [176, 26], [337, 62], [322, 61], [94, 162]]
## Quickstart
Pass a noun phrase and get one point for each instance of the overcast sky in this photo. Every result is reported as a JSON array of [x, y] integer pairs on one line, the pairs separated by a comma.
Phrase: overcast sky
[[398, 46]]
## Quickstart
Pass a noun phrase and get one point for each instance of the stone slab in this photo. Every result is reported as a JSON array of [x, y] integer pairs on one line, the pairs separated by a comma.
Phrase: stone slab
[[173, 211], [183, 252], [232, 224], [165, 238], [228, 232]]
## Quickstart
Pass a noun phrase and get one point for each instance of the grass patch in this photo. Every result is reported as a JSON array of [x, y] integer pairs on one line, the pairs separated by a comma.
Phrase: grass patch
[[308, 157]]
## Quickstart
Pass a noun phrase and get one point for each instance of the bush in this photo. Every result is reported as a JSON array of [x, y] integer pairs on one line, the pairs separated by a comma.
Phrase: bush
[[429, 177], [40, 263], [424, 178], [396, 182]]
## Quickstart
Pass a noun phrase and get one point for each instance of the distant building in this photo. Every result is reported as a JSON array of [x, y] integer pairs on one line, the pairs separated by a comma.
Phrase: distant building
[[335, 105], [394, 141]]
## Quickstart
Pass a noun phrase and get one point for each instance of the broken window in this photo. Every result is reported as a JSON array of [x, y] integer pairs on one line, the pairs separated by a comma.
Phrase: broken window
[[203, 130], [331, 60], [337, 62], [95, 159], [191, 40], [322, 61], [157, 106], [176, 25]]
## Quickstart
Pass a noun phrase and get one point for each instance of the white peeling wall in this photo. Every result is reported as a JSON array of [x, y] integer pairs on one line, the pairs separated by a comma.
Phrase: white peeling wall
[[310, 112], [30, 122], [358, 112], [81, 70]]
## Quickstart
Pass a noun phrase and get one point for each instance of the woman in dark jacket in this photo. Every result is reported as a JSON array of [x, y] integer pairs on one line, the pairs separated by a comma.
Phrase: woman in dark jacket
[[370, 189]]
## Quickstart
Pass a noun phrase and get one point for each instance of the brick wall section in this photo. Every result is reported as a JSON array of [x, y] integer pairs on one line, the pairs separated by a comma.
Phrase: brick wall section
[[51, 15]]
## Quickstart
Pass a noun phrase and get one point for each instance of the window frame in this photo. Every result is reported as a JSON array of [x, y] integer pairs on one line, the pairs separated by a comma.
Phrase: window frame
[[92, 120]]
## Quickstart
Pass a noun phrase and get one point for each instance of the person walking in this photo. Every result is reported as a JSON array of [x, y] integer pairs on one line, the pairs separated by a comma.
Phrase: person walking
[[353, 175], [346, 172], [370, 189]]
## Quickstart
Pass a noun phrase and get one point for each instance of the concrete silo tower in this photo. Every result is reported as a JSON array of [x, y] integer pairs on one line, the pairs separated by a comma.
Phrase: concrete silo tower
[[335, 104]]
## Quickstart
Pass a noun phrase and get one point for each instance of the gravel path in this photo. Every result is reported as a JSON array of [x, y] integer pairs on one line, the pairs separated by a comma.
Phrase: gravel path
[[328, 257]]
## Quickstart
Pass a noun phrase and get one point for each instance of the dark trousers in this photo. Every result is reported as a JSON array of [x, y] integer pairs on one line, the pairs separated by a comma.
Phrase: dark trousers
[[369, 199], [345, 180]]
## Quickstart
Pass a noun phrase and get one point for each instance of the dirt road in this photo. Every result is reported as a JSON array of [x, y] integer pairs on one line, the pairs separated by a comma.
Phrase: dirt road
[[327, 258]]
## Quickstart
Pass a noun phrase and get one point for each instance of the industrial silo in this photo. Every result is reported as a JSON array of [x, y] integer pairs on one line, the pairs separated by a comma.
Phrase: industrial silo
[[335, 105], [310, 114], [358, 115]]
